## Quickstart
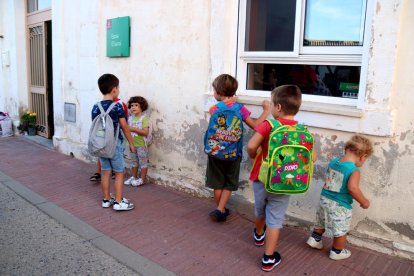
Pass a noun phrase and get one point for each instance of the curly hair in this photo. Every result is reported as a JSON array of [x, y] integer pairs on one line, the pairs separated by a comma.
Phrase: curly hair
[[139, 100], [359, 145]]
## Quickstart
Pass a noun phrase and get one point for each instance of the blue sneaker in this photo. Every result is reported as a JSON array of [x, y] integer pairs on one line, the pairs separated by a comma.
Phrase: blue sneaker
[[218, 216]]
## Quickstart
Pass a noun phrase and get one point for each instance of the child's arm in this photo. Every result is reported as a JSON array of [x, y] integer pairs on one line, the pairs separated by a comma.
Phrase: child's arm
[[314, 154], [125, 128], [254, 143], [252, 123], [356, 193], [139, 131]]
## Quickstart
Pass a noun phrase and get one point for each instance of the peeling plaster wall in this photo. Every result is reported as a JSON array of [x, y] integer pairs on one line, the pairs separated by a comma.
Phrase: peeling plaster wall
[[178, 47]]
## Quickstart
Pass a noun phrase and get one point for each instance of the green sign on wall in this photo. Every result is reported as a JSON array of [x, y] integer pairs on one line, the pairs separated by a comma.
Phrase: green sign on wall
[[118, 37]]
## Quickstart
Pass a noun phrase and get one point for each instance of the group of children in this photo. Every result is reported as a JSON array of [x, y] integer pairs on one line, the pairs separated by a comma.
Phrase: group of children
[[222, 175], [341, 181], [134, 129]]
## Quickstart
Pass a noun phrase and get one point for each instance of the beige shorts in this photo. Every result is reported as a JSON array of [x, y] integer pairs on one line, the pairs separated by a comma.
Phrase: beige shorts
[[333, 217]]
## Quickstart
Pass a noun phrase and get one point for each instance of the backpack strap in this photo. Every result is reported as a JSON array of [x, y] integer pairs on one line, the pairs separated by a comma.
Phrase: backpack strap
[[236, 106], [103, 112]]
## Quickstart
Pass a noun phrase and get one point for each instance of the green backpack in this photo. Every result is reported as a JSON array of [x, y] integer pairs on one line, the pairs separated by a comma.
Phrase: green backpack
[[288, 167]]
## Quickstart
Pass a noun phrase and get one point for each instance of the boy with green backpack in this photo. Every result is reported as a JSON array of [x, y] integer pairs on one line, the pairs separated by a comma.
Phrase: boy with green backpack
[[283, 166]]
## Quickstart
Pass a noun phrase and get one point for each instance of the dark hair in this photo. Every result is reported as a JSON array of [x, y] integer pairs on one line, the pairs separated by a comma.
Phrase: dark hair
[[225, 85], [107, 82], [289, 97], [359, 145], [139, 100]]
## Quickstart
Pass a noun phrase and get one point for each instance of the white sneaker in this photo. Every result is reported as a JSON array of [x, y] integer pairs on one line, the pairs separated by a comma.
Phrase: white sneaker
[[123, 206], [314, 243], [129, 180], [345, 254], [137, 182], [106, 203]]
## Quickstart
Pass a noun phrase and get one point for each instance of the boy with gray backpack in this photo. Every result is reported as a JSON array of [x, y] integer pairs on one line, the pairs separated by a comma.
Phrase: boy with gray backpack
[[105, 141]]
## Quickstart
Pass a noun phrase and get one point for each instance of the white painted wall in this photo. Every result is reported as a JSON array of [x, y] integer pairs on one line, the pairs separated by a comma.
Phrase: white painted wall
[[177, 48], [13, 65]]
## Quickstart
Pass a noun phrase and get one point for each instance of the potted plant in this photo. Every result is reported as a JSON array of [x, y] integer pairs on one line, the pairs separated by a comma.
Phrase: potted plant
[[28, 123]]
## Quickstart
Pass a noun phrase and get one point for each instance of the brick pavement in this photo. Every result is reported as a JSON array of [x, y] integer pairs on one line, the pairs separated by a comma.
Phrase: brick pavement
[[172, 228]]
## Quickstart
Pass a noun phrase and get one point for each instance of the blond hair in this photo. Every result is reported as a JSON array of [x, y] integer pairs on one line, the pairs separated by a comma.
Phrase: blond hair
[[359, 145]]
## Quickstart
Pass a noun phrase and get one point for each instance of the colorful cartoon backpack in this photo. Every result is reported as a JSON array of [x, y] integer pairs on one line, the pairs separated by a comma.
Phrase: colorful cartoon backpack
[[223, 138], [288, 167]]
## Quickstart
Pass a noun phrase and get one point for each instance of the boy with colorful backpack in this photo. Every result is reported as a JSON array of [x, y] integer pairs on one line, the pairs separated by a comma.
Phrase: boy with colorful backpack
[[142, 135], [282, 166], [223, 142]]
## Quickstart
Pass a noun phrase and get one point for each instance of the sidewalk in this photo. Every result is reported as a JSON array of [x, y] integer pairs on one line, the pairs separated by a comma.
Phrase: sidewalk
[[172, 229]]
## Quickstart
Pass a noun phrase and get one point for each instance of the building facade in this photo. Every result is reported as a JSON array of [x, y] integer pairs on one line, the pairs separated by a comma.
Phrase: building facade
[[52, 53]]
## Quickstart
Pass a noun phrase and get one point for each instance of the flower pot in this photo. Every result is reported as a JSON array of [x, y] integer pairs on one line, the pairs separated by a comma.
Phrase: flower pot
[[31, 131]]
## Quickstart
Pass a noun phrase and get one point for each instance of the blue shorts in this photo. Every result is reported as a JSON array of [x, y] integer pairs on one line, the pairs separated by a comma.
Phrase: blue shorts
[[116, 163], [272, 207]]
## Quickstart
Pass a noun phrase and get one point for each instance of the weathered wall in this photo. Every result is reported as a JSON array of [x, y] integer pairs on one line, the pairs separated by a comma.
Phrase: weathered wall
[[178, 47], [13, 65]]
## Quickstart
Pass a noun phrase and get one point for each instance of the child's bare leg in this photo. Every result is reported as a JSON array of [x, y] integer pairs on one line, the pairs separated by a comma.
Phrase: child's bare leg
[[320, 231], [272, 237], [339, 242], [118, 187], [217, 196], [144, 173], [225, 196], [134, 171], [259, 224], [98, 166], [106, 175]]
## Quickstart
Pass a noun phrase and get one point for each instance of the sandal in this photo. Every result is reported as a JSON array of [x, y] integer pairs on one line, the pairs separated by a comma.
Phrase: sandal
[[96, 177]]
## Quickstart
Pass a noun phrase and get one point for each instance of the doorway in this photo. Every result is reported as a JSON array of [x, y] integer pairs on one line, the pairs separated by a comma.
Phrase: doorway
[[40, 67]]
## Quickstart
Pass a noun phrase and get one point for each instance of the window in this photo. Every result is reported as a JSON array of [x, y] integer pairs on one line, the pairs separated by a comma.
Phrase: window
[[37, 5], [316, 44]]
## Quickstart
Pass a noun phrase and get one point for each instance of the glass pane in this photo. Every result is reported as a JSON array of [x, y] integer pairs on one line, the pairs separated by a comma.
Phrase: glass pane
[[322, 80], [334, 23], [270, 25], [43, 4], [31, 6]]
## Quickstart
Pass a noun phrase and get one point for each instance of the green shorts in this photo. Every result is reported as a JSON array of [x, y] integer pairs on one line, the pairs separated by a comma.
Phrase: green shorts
[[223, 175]]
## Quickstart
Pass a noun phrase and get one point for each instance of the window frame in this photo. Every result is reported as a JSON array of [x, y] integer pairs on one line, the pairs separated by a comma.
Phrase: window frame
[[299, 55]]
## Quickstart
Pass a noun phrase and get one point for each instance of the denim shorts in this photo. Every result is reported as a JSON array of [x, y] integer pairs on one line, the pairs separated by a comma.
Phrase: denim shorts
[[333, 217], [272, 207], [116, 163]]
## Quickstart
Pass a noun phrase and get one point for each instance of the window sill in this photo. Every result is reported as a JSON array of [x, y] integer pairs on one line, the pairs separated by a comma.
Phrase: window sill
[[342, 110], [328, 116]]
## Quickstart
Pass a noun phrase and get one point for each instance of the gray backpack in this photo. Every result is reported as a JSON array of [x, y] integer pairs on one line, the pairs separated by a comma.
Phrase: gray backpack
[[102, 137]]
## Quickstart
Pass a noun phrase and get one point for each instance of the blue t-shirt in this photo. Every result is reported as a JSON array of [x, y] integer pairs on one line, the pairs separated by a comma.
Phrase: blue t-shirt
[[336, 182], [116, 113]]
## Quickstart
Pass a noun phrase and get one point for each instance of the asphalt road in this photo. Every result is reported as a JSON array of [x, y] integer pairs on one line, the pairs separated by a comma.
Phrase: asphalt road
[[32, 243]]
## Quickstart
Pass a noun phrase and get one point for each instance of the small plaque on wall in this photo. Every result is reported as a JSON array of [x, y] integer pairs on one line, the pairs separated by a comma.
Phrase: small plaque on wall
[[118, 37], [70, 112]]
